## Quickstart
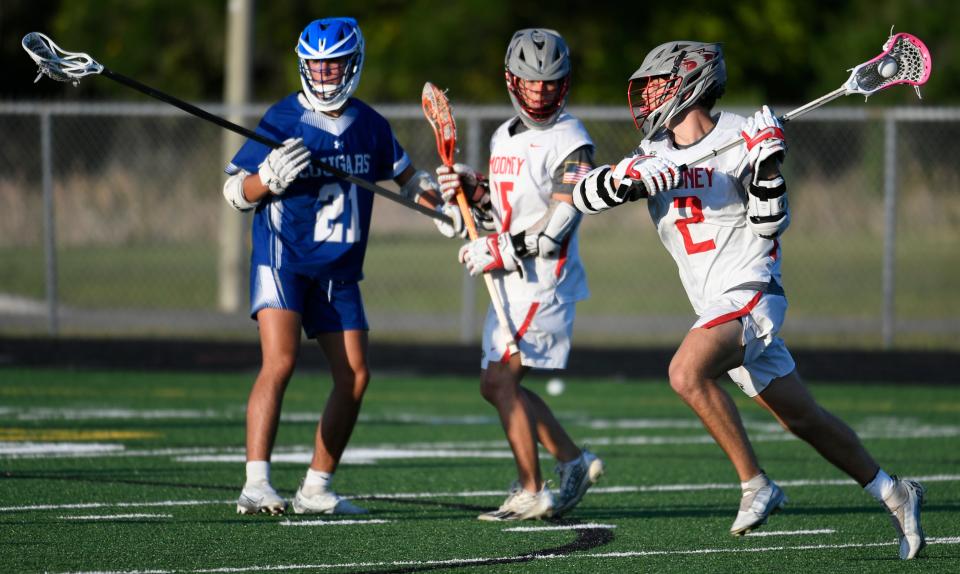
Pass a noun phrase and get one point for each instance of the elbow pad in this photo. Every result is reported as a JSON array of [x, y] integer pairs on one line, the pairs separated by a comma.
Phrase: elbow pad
[[594, 193], [768, 214], [233, 192]]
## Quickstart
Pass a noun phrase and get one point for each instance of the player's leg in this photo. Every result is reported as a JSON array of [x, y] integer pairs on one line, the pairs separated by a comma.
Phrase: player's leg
[[704, 355], [335, 317], [500, 386], [550, 432], [347, 354], [546, 344], [528, 497], [279, 342], [791, 402]]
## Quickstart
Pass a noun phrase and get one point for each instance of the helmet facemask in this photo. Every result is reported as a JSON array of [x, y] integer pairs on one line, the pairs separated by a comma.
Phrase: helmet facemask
[[330, 90], [543, 105], [650, 94], [673, 77], [337, 39], [537, 72]]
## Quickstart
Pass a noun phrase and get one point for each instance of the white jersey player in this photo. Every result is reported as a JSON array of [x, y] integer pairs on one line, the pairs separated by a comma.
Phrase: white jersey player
[[535, 160], [721, 221]]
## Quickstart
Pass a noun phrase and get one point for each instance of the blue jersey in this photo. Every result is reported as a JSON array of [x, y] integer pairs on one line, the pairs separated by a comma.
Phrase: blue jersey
[[320, 225]]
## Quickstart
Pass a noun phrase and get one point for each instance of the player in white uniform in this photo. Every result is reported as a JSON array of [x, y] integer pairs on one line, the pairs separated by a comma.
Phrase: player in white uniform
[[721, 221], [536, 158]]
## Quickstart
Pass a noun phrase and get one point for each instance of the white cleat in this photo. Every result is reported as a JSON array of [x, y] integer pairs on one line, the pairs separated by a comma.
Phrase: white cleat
[[523, 505], [323, 502], [258, 497], [904, 505], [761, 498], [575, 478]]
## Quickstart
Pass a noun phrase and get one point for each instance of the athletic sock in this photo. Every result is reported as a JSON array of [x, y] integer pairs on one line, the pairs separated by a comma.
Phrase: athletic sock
[[317, 481], [881, 487], [755, 483], [258, 471]]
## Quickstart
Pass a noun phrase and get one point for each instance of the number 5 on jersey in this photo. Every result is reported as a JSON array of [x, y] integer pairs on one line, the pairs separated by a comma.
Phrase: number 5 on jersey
[[331, 217]]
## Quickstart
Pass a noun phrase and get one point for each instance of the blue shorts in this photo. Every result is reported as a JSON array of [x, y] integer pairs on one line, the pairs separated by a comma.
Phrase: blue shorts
[[324, 305]]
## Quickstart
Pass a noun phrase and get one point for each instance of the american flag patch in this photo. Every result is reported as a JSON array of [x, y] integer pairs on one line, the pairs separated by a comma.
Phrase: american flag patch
[[574, 171]]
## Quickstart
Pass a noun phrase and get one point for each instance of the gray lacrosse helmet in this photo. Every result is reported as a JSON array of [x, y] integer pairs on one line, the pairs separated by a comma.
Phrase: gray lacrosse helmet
[[693, 71], [537, 54]]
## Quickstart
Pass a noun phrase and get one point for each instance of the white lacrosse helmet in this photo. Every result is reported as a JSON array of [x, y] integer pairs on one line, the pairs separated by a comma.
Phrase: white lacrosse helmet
[[537, 54], [694, 72], [326, 39]]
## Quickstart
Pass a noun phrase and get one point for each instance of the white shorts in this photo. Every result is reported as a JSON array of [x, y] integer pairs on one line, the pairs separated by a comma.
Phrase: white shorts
[[543, 332], [765, 355]]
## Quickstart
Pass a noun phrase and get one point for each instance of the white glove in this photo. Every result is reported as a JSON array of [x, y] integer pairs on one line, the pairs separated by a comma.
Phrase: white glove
[[283, 165], [490, 253], [655, 174], [457, 175], [764, 137], [457, 227]]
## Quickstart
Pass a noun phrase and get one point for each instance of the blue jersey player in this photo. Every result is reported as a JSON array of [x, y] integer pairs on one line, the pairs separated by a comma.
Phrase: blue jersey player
[[310, 234]]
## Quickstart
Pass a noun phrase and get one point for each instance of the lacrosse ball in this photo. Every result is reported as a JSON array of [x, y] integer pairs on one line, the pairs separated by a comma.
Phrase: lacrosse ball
[[555, 387], [887, 67]]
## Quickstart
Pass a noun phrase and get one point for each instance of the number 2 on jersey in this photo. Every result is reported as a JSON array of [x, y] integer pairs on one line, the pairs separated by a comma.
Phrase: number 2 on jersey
[[330, 219], [692, 203]]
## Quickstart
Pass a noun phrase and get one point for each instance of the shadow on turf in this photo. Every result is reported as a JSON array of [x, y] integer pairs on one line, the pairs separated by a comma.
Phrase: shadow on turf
[[587, 539]]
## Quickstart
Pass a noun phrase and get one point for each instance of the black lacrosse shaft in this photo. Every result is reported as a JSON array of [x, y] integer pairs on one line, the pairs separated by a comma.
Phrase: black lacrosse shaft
[[226, 124]]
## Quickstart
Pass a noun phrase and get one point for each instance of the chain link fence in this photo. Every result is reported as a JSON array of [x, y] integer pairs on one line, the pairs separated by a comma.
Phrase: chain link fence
[[111, 213]]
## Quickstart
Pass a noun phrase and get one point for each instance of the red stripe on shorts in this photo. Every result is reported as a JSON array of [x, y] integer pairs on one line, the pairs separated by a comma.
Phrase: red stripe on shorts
[[521, 331], [734, 314]]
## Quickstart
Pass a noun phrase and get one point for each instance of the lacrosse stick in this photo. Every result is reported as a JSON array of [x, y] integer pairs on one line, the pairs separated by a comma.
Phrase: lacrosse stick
[[63, 66], [436, 107], [904, 60]]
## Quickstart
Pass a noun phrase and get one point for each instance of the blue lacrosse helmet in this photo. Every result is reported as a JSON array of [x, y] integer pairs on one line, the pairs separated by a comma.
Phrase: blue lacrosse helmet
[[325, 39]]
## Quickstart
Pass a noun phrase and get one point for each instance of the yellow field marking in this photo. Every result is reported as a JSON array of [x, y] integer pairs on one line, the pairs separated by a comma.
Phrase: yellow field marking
[[21, 434]]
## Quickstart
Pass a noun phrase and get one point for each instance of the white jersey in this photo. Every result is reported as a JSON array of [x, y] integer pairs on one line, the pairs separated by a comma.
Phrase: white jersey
[[521, 182], [703, 223]]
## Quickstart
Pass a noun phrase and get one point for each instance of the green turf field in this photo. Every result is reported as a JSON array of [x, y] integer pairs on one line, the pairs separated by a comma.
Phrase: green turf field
[[134, 472]]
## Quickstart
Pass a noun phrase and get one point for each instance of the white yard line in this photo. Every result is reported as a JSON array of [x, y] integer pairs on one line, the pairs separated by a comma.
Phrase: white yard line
[[587, 526], [476, 493], [331, 522], [86, 505], [114, 516], [506, 559], [791, 532]]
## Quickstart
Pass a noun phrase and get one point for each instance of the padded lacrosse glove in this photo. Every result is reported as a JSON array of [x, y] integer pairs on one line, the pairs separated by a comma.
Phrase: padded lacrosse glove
[[283, 164], [645, 176], [490, 253]]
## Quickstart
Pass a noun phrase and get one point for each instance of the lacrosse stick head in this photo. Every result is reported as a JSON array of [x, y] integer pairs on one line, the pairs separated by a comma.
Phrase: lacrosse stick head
[[57, 63], [904, 60], [436, 107]]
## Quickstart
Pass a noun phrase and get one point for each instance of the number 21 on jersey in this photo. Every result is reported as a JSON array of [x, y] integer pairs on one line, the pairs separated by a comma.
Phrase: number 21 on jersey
[[334, 223]]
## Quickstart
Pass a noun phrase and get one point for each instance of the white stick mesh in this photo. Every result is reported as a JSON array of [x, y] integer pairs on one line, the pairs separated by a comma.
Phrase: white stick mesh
[[55, 62]]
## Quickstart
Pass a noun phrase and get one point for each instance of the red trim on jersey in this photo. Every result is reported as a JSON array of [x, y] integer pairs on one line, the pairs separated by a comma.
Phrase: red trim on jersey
[[563, 255], [522, 330], [734, 314], [776, 248]]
